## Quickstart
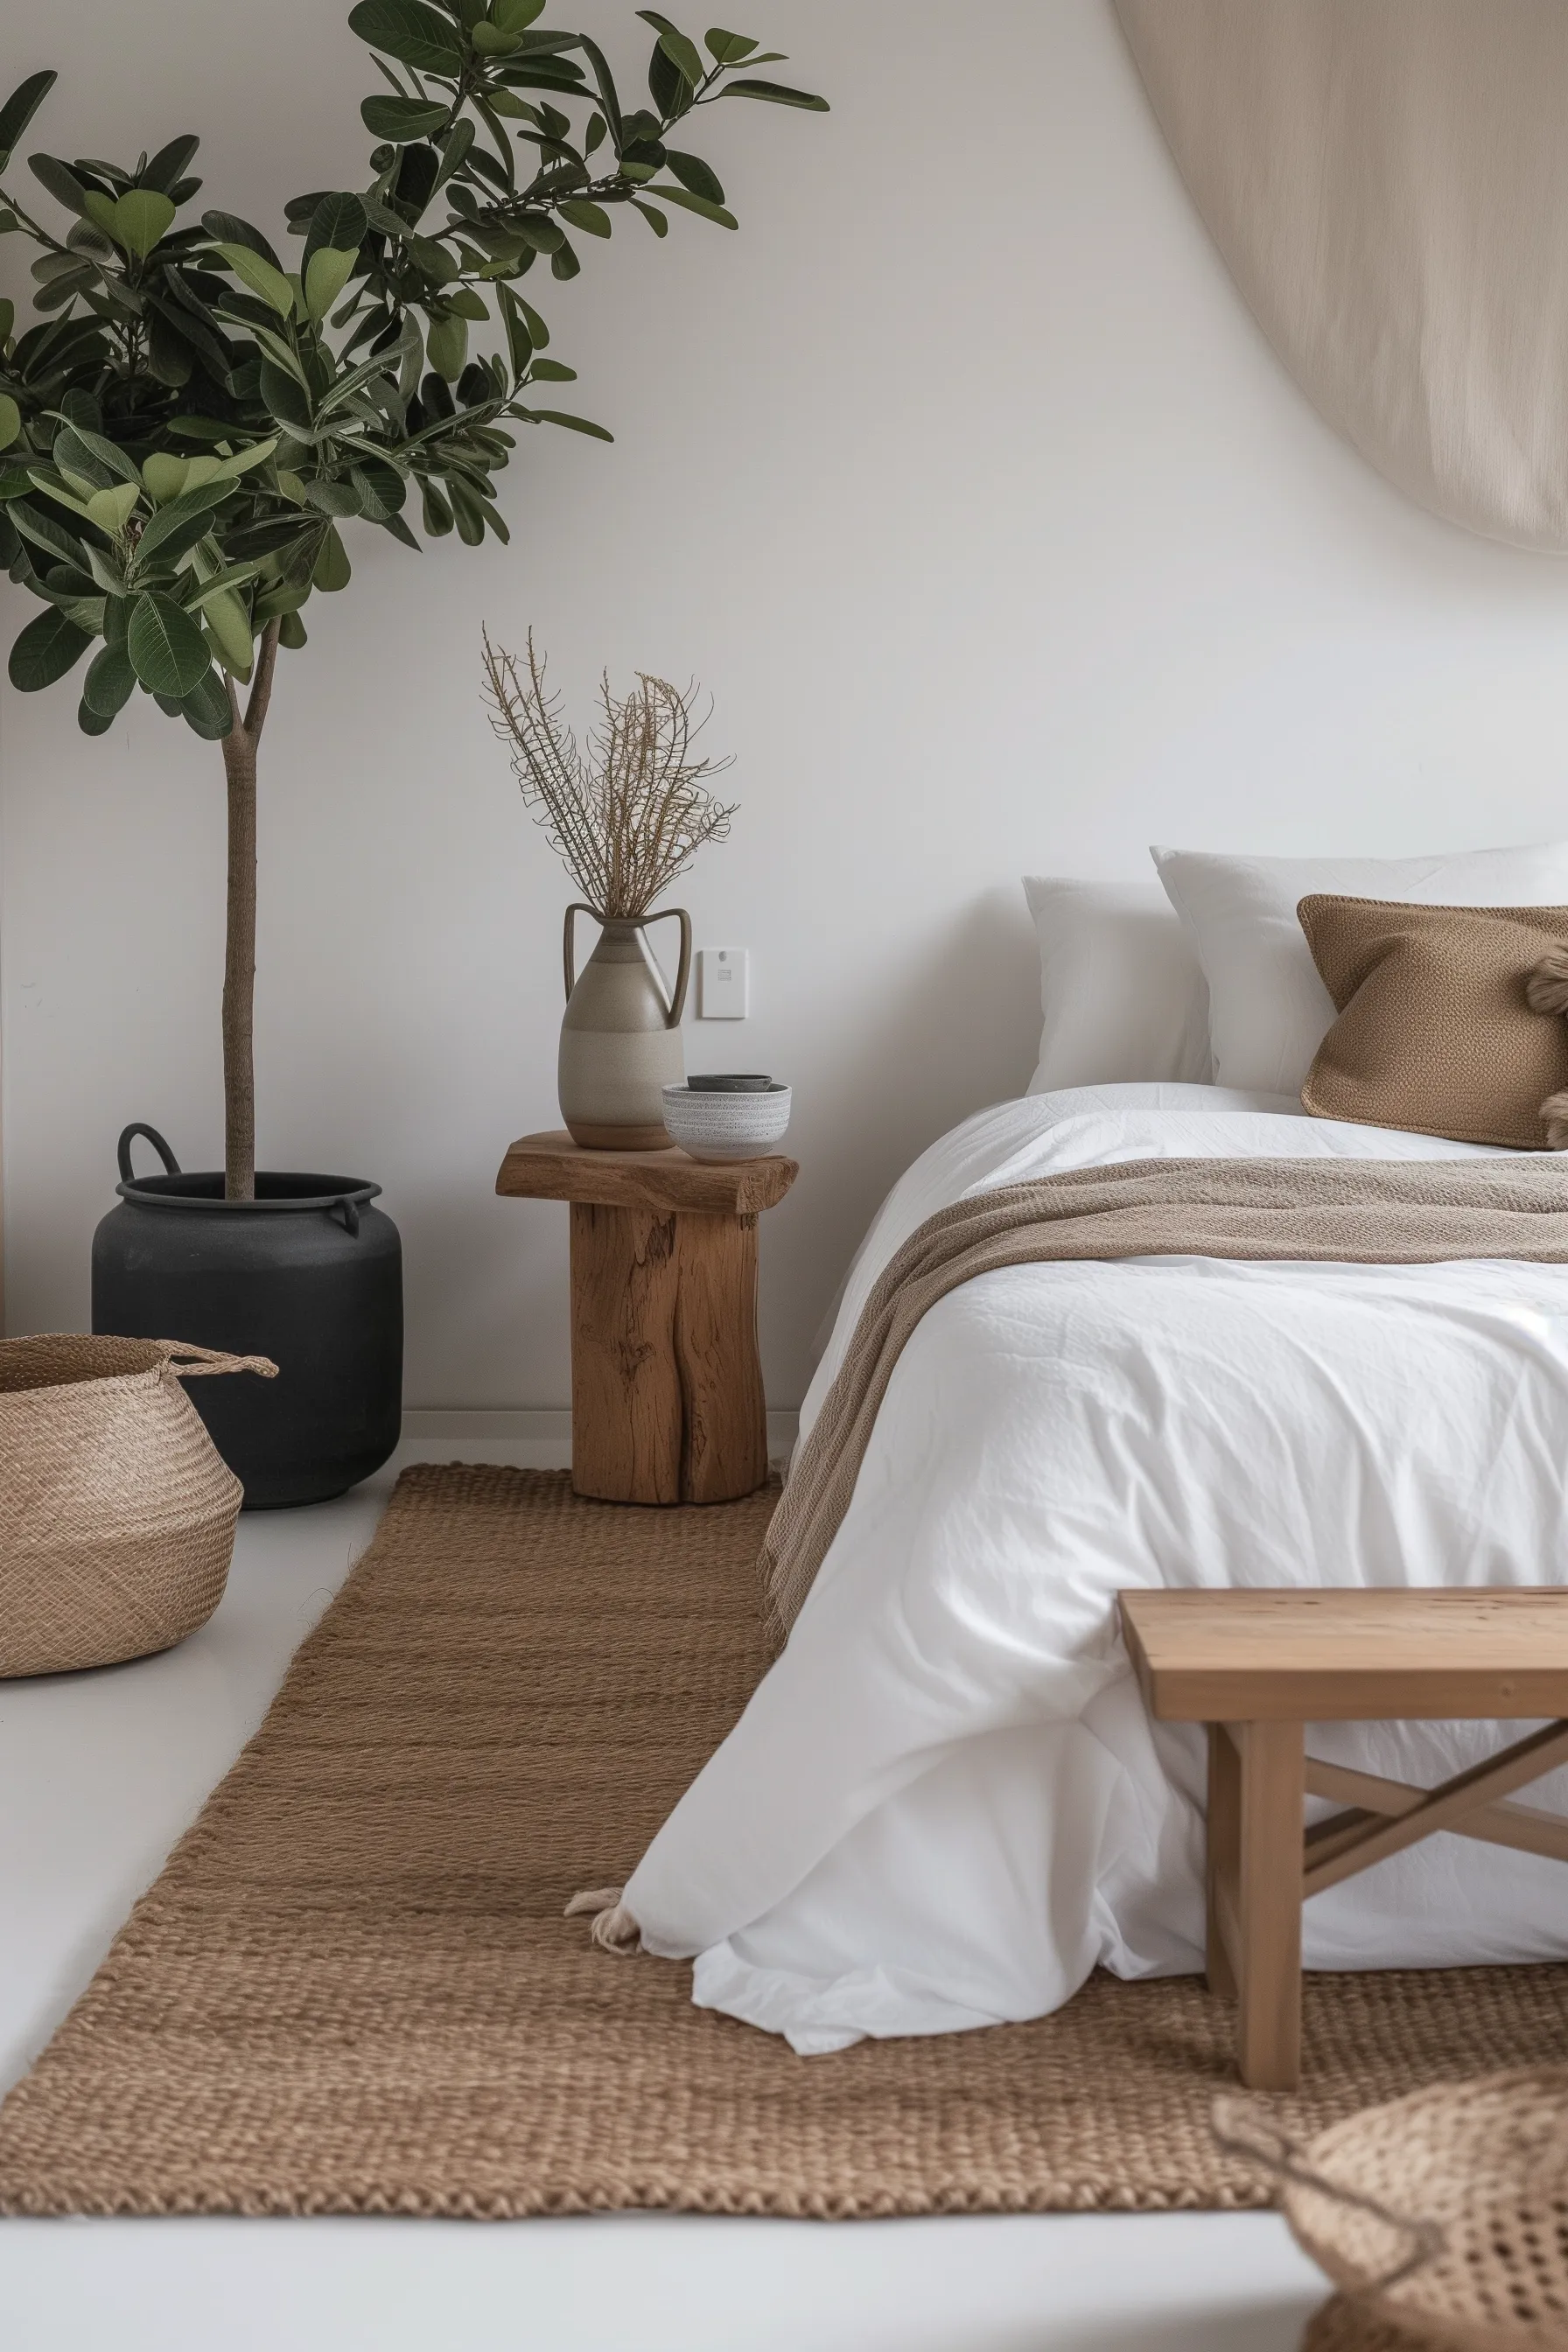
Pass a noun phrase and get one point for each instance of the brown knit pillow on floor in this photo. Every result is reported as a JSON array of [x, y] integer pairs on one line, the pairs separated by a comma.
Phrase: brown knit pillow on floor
[[1437, 1031]]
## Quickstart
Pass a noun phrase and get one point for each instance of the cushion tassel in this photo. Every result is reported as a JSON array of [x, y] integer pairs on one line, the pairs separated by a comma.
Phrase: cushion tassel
[[614, 1928]]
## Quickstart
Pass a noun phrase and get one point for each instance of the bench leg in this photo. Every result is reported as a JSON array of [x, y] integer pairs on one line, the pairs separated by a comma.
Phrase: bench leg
[[1272, 1774], [1223, 1872]]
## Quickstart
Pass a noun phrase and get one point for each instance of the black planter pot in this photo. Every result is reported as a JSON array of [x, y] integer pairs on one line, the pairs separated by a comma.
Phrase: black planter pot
[[307, 1272]]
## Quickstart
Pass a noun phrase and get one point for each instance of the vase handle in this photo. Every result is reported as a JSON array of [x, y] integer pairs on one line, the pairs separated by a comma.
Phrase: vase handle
[[683, 971], [569, 941], [171, 1165]]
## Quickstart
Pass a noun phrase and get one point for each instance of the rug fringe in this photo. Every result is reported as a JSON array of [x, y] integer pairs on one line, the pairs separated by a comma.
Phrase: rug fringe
[[614, 1928]]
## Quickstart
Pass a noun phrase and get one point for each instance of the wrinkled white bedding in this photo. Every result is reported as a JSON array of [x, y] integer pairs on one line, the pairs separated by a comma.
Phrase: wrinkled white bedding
[[945, 1804]]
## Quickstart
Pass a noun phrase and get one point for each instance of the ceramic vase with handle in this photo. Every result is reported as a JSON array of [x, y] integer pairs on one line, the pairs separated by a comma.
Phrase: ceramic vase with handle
[[620, 1041]]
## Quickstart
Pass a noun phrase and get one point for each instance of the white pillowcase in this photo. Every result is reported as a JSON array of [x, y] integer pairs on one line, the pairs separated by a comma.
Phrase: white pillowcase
[[1120, 986], [1268, 1011]]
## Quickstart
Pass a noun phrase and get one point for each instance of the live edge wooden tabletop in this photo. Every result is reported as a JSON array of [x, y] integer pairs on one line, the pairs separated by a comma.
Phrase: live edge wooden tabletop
[[1257, 1667], [667, 1381]]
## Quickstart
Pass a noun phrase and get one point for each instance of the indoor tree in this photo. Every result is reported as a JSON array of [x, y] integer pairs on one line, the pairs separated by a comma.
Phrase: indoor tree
[[193, 419]]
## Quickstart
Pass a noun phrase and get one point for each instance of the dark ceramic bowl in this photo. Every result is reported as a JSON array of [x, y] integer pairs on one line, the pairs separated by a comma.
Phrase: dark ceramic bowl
[[719, 1082]]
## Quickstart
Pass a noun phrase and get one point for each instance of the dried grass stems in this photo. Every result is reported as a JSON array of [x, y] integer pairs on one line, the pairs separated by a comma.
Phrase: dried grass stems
[[628, 813]]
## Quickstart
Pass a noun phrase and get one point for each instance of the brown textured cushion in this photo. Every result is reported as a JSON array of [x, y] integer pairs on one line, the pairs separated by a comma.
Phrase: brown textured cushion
[[1436, 1033]]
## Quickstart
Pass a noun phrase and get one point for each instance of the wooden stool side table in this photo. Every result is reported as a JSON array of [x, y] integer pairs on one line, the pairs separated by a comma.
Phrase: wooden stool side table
[[1257, 1666], [667, 1383]]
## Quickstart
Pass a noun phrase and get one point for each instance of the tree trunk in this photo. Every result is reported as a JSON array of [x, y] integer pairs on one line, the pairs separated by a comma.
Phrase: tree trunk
[[240, 750]]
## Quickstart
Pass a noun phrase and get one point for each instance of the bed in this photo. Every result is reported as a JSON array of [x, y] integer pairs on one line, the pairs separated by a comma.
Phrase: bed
[[945, 1804]]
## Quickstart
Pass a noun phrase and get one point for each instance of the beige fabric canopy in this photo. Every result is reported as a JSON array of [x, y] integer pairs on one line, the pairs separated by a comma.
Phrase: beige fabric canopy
[[1388, 183]]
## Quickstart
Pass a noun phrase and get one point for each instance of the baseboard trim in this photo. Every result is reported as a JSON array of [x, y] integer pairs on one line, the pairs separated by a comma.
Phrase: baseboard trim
[[529, 1440]]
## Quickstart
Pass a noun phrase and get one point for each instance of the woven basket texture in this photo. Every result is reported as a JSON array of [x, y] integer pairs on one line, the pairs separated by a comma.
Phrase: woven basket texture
[[1462, 2188], [353, 1989], [117, 1512]]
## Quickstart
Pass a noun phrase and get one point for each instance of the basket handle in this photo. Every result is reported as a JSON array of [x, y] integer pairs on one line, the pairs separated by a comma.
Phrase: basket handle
[[190, 1363], [139, 1126], [1245, 2128]]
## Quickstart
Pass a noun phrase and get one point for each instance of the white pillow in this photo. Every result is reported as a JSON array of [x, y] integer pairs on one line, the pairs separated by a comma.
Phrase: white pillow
[[1269, 1010], [1121, 987]]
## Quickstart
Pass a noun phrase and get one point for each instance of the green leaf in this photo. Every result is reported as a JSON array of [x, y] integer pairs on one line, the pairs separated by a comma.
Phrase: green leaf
[[688, 203], [231, 624], [77, 445], [10, 421], [112, 510], [339, 223], [515, 16], [176, 528], [447, 344], [337, 498], [564, 264], [552, 372], [775, 94], [170, 164], [518, 342], [656, 220], [227, 228], [19, 109], [288, 401], [207, 709], [46, 649], [490, 41], [468, 509], [411, 32], [141, 217], [573, 424], [334, 569], [437, 513], [683, 54], [7, 320], [590, 217], [44, 531], [467, 303], [694, 174], [260, 277], [164, 476], [165, 647], [728, 48], [291, 631], [59, 180], [91, 722], [327, 272], [110, 683], [402, 119]]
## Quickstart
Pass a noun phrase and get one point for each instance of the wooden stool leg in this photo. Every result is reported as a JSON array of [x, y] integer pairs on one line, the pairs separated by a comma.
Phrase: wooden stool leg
[[726, 1428], [1224, 1868], [1269, 1953], [627, 1420]]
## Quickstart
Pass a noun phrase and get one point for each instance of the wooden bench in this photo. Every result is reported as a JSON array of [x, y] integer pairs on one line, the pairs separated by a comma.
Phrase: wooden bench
[[1256, 1668]]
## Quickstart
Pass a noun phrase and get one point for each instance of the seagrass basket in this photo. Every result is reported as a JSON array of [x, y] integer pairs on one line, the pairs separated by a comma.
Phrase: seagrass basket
[[117, 1512], [1443, 2217]]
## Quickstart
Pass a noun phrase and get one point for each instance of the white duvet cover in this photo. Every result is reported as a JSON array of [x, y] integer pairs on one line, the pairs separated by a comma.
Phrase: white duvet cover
[[945, 1804]]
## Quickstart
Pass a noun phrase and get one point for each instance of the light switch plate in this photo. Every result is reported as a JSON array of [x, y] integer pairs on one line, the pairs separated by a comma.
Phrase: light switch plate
[[723, 984]]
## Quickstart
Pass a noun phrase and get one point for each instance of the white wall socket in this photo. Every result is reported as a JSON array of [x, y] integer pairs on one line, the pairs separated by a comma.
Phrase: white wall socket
[[723, 984]]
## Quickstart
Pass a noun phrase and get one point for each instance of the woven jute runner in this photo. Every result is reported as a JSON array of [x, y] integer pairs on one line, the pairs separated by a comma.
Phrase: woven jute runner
[[352, 1990]]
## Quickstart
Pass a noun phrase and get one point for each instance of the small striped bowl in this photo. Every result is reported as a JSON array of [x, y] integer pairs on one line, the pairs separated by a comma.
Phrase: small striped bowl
[[729, 1126]]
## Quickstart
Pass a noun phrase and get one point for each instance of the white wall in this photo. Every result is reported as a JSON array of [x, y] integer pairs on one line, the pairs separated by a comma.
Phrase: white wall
[[963, 478]]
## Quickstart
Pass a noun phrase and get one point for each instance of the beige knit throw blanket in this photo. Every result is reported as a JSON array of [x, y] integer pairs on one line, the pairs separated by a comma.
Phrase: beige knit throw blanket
[[1360, 1212]]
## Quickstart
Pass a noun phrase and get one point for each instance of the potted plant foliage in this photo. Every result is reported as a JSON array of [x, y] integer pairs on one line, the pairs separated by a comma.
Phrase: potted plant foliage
[[188, 433]]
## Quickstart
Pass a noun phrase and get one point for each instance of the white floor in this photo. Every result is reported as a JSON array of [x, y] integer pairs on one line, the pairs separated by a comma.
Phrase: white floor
[[99, 1773]]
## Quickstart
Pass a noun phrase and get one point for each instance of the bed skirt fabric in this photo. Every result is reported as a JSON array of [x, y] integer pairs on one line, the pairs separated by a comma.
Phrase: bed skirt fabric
[[1357, 1212]]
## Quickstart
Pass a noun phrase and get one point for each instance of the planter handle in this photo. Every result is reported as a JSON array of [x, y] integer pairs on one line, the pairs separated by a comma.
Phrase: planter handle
[[346, 1214], [677, 1001], [569, 942], [138, 1127]]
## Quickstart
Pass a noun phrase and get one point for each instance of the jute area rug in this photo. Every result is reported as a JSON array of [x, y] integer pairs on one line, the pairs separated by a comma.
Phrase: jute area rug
[[352, 1989]]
